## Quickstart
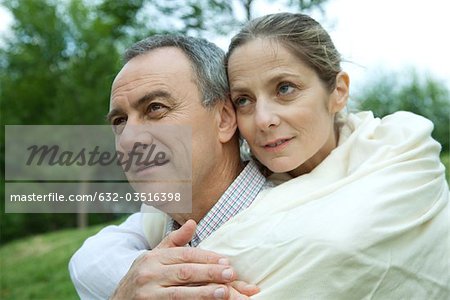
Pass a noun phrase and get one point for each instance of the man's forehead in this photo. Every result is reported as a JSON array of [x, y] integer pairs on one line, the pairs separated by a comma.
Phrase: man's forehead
[[165, 69], [160, 62], [161, 59]]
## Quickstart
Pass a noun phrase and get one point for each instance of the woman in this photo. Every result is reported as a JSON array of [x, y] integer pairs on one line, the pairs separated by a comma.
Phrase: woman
[[366, 211], [287, 91]]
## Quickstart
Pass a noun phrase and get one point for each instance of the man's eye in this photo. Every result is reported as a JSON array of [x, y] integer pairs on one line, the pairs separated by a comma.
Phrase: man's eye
[[118, 121], [285, 89], [241, 101], [118, 124], [156, 109]]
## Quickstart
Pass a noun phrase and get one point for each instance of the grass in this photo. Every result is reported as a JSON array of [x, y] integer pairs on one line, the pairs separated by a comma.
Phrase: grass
[[36, 267]]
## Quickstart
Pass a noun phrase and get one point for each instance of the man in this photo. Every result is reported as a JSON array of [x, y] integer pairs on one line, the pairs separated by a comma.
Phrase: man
[[182, 81]]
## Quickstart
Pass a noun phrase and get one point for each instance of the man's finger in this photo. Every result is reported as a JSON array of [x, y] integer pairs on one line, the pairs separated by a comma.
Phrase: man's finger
[[188, 273], [235, 295], [179, 237], [210, 291], [245, 288], [180, 255]]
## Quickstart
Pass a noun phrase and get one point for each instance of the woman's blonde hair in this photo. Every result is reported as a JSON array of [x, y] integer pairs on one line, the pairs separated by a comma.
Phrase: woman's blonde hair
[[299, 33]]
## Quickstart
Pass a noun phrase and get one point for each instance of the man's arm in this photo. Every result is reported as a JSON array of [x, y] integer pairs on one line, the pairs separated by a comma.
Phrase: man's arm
[[171, 271], [117, 258], [103, 260]]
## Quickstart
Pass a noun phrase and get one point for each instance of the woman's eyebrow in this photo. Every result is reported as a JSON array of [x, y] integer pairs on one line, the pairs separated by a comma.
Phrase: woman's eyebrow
[[241, 88], [282, 76]]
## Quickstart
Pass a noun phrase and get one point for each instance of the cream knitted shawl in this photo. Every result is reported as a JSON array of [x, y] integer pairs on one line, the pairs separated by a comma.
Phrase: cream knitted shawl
[[370, 222]]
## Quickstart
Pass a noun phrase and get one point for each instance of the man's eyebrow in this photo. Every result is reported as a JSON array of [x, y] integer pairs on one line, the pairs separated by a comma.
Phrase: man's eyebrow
[[142, 101], [114, 112], [151, 96]]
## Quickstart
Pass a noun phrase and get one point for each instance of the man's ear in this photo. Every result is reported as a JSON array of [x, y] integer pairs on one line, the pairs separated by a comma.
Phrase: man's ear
[[227, 124], [339, 96]]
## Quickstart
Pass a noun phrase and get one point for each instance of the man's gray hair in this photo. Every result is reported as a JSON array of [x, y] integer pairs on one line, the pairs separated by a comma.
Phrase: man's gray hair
[[206, 58]]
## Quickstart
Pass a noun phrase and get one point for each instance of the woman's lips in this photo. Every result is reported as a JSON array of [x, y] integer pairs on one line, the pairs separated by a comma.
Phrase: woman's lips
[[277, 145]]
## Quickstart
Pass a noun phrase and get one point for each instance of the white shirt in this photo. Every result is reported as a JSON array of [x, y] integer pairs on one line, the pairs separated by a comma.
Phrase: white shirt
[[98, 266], [103, 260]]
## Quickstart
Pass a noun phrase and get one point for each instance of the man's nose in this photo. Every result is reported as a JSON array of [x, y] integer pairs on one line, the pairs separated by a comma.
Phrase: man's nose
[[265, 115], [134, 133]]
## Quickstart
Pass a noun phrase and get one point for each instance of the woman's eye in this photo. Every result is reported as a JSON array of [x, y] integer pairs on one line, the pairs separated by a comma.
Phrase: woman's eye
[[241, 101], [285, 89]]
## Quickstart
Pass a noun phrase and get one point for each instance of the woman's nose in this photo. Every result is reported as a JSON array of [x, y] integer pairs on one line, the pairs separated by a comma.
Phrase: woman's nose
[[265, 115]]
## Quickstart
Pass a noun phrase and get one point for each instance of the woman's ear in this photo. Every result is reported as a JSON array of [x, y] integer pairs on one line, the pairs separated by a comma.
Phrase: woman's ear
[[339, 96], [227, 121]]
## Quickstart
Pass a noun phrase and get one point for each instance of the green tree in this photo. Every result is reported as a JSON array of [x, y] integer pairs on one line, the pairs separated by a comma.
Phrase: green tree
[[423, 95], [57, 68]]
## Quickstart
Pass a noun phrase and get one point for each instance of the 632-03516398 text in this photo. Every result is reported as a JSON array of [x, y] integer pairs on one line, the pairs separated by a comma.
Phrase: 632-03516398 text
[[102, 197]]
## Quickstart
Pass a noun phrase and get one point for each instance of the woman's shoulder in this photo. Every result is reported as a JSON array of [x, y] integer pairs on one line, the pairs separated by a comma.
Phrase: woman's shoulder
[[401, 136], [399, 119], [408, 119], [395, 127]]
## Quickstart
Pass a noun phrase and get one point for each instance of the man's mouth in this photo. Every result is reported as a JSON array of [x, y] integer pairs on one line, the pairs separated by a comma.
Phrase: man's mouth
[[146, 168]]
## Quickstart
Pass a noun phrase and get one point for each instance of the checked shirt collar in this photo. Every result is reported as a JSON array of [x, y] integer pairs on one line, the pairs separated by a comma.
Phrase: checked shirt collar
[[239, 195]]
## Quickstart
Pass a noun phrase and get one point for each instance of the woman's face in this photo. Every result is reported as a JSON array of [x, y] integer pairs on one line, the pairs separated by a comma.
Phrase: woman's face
[[284, 110]]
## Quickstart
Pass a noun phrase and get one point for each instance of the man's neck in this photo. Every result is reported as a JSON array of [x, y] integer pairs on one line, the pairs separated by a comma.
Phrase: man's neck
[[204, 197]]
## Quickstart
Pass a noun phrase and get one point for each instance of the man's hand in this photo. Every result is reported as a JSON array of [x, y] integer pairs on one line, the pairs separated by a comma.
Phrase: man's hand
[[171, 271]]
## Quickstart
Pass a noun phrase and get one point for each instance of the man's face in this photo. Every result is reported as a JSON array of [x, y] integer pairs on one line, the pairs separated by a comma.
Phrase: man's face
[[155, 101]]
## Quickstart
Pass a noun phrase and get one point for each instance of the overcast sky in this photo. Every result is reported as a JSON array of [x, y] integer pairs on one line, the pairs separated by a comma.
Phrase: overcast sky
[[393, 34], [378, 35], [384, 35]]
